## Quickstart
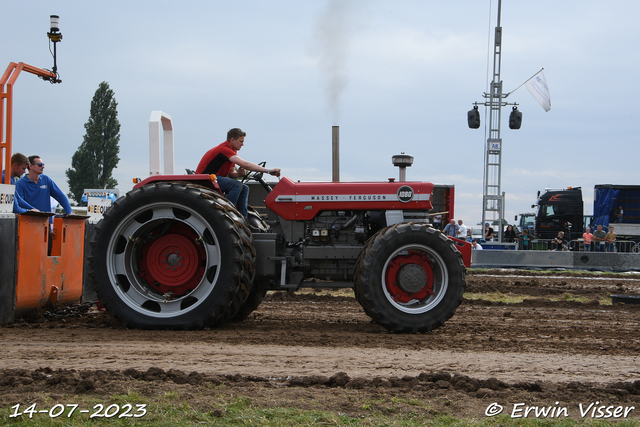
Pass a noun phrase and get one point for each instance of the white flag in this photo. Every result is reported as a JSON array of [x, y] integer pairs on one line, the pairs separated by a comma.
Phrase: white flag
[[537, 86]]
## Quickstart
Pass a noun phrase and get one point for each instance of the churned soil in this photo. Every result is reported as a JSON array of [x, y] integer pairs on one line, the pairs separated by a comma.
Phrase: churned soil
[[556, 340]]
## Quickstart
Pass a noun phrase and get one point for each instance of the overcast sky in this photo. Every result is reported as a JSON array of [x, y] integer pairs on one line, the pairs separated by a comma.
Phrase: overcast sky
[[396, 76]]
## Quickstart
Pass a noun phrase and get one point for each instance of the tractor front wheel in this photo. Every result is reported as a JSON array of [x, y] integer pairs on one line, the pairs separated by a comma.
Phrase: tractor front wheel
[[409, 278]]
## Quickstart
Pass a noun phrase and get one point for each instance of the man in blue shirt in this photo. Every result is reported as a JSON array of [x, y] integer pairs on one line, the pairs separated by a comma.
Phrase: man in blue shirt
[[37, 189], [451, 229], [19, 164]]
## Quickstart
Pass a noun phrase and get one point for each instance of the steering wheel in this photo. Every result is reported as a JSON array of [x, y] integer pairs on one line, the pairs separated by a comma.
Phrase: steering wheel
[[256, 176]]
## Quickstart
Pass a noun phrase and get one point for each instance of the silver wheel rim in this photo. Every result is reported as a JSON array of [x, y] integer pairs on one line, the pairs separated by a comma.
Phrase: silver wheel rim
[[122, 258], [439, 286]]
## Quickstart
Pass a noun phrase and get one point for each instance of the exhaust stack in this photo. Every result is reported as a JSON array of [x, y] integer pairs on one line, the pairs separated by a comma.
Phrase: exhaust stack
[[335, 152], [402, 161]]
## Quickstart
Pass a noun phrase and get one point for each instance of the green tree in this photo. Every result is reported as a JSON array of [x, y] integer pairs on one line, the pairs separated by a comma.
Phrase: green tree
[[96, 158]]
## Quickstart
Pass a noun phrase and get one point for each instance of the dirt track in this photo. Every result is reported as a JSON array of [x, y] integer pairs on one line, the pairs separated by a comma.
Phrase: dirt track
[[305, 344]]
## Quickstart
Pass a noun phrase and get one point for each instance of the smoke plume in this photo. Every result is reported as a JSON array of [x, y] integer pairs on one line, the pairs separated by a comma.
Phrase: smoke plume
[[334, 32]]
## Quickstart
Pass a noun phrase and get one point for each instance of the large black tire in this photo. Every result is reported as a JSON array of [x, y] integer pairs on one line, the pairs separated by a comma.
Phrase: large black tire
[[255, 221], [409, 278], [257, 224], [172, 256], [250, 305]]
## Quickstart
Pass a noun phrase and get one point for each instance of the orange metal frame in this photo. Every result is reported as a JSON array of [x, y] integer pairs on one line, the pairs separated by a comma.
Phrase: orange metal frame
[[43, 279], [6, 109]]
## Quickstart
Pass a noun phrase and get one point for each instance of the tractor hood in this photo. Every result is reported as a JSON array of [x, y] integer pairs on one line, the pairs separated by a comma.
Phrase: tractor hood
[[304, 200]]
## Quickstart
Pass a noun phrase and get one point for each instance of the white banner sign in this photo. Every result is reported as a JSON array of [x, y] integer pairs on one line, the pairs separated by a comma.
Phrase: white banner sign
[[7, 192], [537, 86], [96, 207]]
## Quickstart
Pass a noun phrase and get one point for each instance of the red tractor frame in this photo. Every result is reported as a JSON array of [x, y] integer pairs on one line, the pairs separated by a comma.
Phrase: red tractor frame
[[174, 253]]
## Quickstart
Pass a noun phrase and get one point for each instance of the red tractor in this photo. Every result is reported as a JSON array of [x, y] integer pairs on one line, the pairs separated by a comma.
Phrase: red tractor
[[175, 254]]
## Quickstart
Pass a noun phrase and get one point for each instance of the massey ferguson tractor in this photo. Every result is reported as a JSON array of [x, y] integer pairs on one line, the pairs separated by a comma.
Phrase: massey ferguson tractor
[[175, 254]]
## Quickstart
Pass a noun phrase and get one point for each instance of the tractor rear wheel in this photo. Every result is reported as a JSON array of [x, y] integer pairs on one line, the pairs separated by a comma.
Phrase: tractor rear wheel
[[409, 278], [257, 225], [172, 256], [253, 301]]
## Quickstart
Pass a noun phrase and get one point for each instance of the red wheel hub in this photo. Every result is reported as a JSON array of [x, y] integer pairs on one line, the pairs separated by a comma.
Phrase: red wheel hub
[[172, 263], [409, 277]]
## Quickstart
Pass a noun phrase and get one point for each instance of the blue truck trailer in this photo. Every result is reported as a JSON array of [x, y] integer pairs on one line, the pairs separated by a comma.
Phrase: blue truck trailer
[[562, 210]]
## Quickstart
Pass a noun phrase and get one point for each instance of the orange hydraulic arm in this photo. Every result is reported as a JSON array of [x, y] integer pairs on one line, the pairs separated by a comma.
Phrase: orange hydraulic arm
[[6, 96], [6, 108]]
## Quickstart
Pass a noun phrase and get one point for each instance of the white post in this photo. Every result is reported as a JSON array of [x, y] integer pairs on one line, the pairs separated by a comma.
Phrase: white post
[[157, 119]]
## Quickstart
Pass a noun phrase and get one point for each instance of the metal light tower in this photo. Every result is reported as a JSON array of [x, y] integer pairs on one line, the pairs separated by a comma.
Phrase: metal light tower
[[493, 197], [6, 95]]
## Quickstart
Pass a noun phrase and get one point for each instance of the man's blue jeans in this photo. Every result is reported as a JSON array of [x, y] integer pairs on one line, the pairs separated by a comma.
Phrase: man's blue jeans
[[237, 193]]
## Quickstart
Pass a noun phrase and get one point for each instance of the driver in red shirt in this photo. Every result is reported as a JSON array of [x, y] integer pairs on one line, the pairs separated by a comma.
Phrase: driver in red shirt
[[221, 161]]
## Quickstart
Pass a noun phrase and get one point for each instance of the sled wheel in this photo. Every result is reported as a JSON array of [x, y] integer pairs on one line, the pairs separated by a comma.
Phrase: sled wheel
[[172, 256], [409, 278]]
